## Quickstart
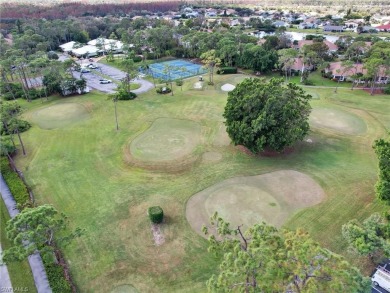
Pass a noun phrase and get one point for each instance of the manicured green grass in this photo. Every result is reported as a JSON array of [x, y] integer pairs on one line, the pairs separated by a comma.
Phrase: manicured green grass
[[82, 170], [20, 272]]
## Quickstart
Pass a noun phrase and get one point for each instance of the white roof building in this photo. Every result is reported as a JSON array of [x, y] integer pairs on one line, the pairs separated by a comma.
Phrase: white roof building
[[88, 50], [67, 46]]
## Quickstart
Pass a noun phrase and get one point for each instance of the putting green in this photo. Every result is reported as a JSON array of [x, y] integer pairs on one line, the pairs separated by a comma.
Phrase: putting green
[[166, 140], [271, 197], [59, 115], [337, 120]]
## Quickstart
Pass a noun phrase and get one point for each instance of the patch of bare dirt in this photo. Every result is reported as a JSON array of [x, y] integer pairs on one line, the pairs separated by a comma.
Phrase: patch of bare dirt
[[158, 236]]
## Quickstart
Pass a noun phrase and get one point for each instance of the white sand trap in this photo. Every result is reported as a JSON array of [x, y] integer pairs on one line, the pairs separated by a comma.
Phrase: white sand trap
[[273, 197], [227, 87]]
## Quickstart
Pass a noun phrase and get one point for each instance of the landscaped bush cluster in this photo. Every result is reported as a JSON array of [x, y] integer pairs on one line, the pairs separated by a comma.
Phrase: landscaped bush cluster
[[227, 70], [163, 90], [387, 90], [137, 59], [126, 96], [22, 126], [15, 184], [150, 56], [15, 90], [156, 214], [55, 274]]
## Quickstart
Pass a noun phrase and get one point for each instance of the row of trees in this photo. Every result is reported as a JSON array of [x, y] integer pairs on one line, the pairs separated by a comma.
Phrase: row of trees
[[263, 259]]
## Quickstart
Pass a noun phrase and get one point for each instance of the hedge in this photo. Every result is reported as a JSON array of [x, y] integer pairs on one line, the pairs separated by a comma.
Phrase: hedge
[[226, 70], [156, 214], [137, 59], [55, 274], [15, 184]]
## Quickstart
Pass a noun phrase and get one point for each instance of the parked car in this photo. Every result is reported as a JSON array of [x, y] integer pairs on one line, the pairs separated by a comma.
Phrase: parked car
[[92, 66], [85, 70], [105, 81]]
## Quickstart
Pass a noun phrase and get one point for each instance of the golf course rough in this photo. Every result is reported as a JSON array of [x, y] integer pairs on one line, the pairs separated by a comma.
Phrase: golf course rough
[[167, 141], [337, 120], [59, 115], [271, 197]]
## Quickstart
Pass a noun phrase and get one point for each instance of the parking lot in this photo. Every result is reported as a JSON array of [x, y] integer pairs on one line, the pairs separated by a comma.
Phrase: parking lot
[[93, 79]]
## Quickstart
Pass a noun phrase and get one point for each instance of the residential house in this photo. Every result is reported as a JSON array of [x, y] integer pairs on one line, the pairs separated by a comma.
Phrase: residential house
[[280, 23], [383, 28], [365, 29], [332, 47], [340, 72], [307, 25], [298, 65]]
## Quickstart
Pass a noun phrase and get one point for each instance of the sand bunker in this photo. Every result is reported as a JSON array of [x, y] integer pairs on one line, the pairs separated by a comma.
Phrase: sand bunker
[[59, 115], [166, 140], [337, 120], [198, 85], [272, 197], [227, 87]]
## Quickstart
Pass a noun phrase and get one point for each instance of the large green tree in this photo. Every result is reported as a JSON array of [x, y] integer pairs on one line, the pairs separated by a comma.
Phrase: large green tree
[[39, 229], [267, 115], [263, 259], [382, 186], [370, 238]]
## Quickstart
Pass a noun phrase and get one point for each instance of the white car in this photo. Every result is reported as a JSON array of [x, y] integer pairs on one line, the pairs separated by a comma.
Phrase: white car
[[92, 66], [105, 81]]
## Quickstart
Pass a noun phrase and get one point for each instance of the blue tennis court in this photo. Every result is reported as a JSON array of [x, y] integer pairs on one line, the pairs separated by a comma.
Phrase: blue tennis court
[[175, 69]]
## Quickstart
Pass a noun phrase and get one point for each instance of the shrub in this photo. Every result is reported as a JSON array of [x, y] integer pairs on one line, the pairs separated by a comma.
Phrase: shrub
[[150, 56], [163, 90], [55, 274], [123, 96], [137, 59], [15, 184], [227, 70], [308, 82], [156, 214], [179, 82], [387, 90]]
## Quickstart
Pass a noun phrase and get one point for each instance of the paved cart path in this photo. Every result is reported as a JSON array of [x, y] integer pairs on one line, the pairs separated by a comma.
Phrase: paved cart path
[[35, 261]]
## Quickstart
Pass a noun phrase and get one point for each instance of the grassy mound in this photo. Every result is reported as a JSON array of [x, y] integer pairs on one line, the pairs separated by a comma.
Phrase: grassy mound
[[272, 197], [337, 120], [125, 289], [59, 115]]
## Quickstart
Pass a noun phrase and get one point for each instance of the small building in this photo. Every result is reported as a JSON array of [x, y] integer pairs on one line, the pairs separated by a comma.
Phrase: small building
[[333, 28]]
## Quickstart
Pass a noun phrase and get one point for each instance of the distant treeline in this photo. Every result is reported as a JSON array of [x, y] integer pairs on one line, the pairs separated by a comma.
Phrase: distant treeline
[[77, 9]]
